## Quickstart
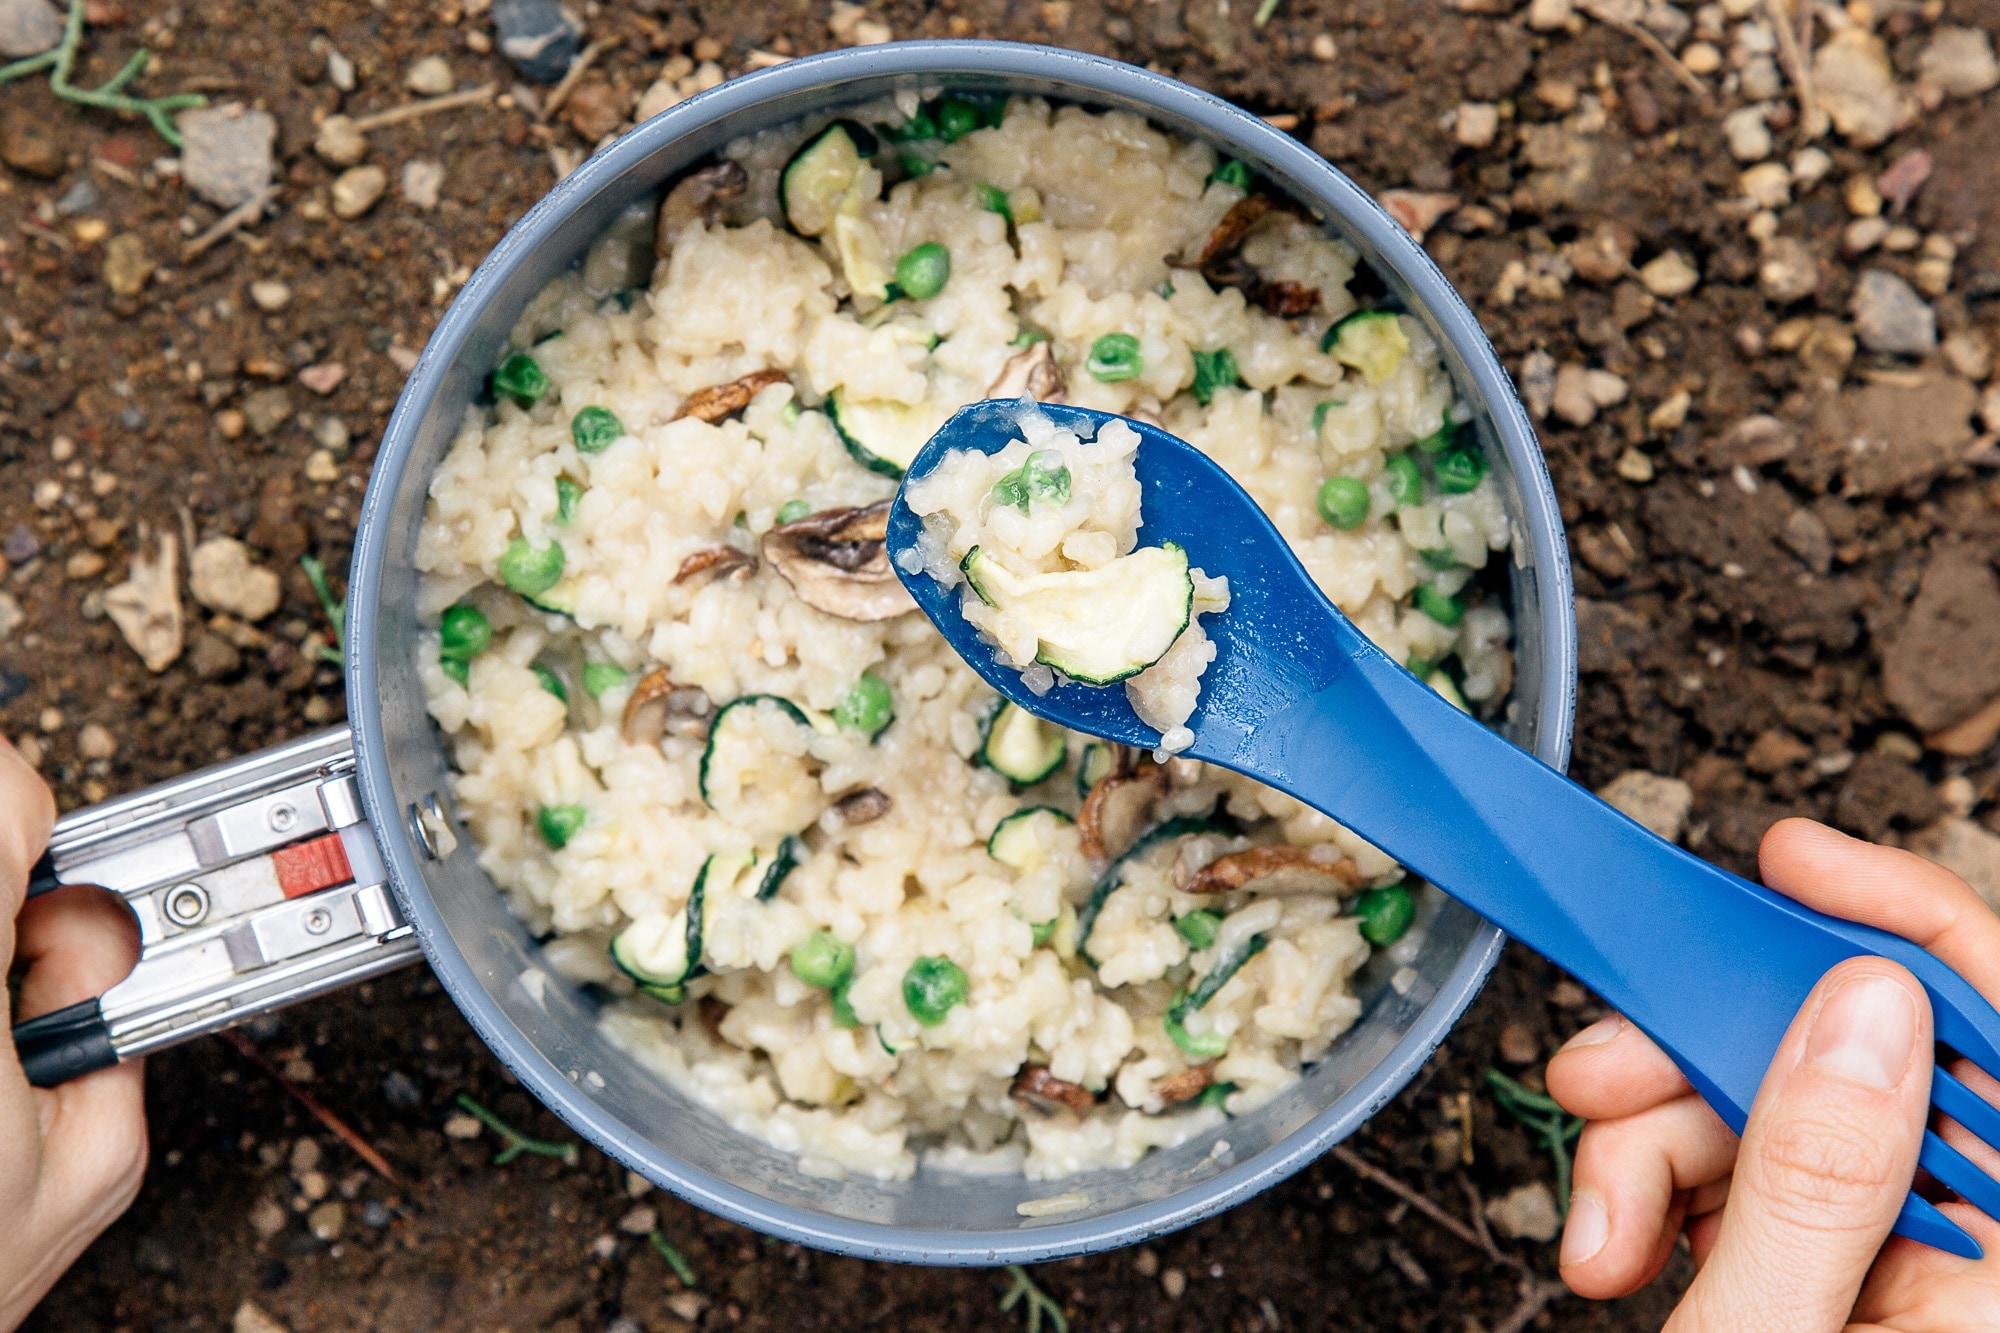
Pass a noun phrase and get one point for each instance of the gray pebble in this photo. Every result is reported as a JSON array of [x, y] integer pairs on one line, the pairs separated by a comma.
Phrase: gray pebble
[[538, 37], [80, 197], [28, 27], [20, 545], [375, 1215], [399, 1089], [227, 158], [1890, 317]]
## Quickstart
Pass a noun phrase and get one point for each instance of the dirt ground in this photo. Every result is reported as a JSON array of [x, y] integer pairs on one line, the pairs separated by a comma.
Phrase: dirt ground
[[1784, 546]]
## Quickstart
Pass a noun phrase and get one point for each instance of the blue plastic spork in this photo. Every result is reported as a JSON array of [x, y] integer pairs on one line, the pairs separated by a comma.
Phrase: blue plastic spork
[[1712, 967]]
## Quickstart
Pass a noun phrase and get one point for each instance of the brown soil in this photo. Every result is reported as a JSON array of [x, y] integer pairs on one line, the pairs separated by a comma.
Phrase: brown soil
[[1729, 640]]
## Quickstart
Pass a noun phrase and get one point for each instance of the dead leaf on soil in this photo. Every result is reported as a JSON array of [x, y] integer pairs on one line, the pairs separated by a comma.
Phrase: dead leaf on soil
[[146, 607]]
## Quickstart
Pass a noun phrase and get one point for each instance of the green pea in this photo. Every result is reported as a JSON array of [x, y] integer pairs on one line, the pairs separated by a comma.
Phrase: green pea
[[1440, 558], [843, 1012], [1215, 1094], [994, 200], [1406, 480], [1043, 931], [933, 987], [1115, 357], [559, 823], [919, 126], [923, 272], [567, 494], [1028, 338], [595, 429], [1231, 172], [601, 676], [1385, 914], [916, 164], [521, 378], [1343, 502], [529, 571], [1212, 371], [463, 633], [1419, 666], [551, 682], [823, 959], [957, 118], [1460, 471], [791, 511], [1198, 927], [868, 707], [1011, 491], [457, 670], [1319, 414], [1447, 611], [1046, 476], [1438, 440]]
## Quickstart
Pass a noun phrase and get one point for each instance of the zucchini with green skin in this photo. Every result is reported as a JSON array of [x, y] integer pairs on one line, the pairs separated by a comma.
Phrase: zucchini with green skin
[[1114, 876], [1098, 626], [820, 174], [663, 953], [1098, 762], [1371, 341], [719, 732], [783, 862], [1208, 1045], [882, 437], [1021, 840], [1020, 746]]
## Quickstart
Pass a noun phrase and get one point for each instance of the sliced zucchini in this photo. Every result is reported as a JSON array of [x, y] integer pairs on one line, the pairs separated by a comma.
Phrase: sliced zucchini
[[1020, 746], [882, 437], [1098, 762], [820, 174], [1095, 625], [662, 952], [1208, 1045], [737, 768], [1372, 341], [1023, 839], [1113, 877], [783, 862]]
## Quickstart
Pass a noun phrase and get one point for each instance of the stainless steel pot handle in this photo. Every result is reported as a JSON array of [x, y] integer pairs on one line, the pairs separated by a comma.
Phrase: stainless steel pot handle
[[257, 883]]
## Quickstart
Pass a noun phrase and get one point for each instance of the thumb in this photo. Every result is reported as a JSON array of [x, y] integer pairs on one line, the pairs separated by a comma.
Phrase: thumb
[[1827, 1157]]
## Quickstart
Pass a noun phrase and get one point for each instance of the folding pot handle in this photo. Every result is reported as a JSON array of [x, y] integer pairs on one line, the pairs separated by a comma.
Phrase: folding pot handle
[[256, 884]]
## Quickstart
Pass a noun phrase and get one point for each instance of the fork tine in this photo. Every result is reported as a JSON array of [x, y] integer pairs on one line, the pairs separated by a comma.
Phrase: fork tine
[[1967, 1107], [1920, 1221], [1956, 1171]]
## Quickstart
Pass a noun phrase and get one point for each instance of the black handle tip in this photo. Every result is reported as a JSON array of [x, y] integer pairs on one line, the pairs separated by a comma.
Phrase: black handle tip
[[66, 1044]]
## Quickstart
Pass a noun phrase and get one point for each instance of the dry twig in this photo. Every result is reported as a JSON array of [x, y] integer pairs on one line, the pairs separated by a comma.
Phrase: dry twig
[[560, 93], [226, 225], [1536, 1293], [1368, 1171], [396, 115], [243, 1046], [1812, 118], [1659, 49]]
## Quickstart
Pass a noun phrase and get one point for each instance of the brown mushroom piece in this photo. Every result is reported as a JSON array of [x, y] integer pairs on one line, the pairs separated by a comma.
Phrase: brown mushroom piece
[[1117, 809], [1275, 870], [697, 199], [1244, 214], [1036, 1087], [1186, 1085], [863, 807], [1286, 299], [658, 706], [716, 562], [713, 403], [837, 561], [1031, 372]]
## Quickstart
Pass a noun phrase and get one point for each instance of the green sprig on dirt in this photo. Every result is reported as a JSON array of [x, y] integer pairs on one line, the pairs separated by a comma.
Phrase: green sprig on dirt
[[335, 608], [110, 94], [517, 1142], [675, 1259], [1539, 1114], [1039, 1301]]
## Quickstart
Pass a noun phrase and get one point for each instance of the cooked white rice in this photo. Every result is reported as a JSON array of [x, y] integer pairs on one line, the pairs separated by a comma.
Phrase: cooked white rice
[[1099, 203]]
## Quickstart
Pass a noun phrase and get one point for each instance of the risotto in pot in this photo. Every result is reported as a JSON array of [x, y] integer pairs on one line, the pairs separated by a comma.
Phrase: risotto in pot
[[832, 888]]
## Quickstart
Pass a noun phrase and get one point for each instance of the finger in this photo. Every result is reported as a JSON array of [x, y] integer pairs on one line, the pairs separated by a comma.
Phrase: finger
[[1906, 1277], [1701, 1234], [1633, 1177], [27, 813], [1984, 1155], [1827, 1156], [1611, 1070], [77, 942], [1889, 889]]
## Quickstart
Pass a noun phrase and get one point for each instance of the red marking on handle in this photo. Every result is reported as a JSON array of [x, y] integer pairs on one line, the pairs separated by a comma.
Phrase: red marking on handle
[[308, 867]]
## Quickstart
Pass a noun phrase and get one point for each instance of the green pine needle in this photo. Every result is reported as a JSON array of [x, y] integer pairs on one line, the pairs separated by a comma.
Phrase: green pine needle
[[335, 608], [1039, 1303], [1540, 1115], [517, 1142], [675, 1259], [1264, 12], [109, 95]]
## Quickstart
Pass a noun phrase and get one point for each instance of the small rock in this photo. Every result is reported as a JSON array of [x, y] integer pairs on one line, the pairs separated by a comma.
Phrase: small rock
[[213, 657], [96, 742], [1890, 317], [1761, 79], [314, 1186], [1604, 255], [338, 143], [430, 77], [1538, 383], [250, 1319], [657, 98], [375, 1215], [1659, 803], [1527, 1213], [1965, 849], [84, 565], [399, 1089], [323, 377], [1635, 467], [1418, 210], [222, 577], [1174, 1282], [127, 266], [461, 1126], [1767, 185], [1901, 239], [270, 295], [1810, 165], [1806, 536], [538, 37], [1959, 62], [421, 182], [1899, 183], [1550, 15], [30, 147], [11, 617], [1701, 58], [1477, 124], [1942, 664], [1967, 353], [1788, 271], [267, 409], [687, 1305], [1862, 198], [1668, 416], [356, 190], [1748, 133], [231, 423], [321, 468], [1670, 274], [28, 27], [267, 1218], [640, 1221], [328, 1220], [1989, 407], [1573, 400], [227, 154], [339, 70], [1518, 1045], [81, 197], [1774, 751], [1863, 235], [1856, 86], [305, 1157], [146, 608], [595, 109], [331, 434], [20, 545]]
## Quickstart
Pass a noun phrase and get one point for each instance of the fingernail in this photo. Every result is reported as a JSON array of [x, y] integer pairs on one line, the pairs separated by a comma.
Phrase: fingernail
[[1865, 1033], [1588, 1227], [1602, 1032]]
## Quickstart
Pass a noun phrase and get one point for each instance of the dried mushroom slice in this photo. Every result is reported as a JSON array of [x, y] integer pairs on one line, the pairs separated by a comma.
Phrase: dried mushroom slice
[[863, 807], [658, 706], [718, 401], [1036, 1087], [1031, 372], [1244, 214], [697, 200], [1275, 870], [1117, 808], [1287, 299], [715, 562], [837, 561], [1186, 1085]]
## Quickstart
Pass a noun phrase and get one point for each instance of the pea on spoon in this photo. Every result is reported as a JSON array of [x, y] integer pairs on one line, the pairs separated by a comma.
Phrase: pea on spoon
[[1711, 966]]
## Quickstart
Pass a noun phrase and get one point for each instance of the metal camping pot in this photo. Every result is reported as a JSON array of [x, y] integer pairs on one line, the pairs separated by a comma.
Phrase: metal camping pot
[[333, 858]]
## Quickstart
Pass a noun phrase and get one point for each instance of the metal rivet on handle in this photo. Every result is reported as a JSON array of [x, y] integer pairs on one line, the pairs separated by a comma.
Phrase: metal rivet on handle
[[186, 904], [429, 825], [318, 921], [283, 818]]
